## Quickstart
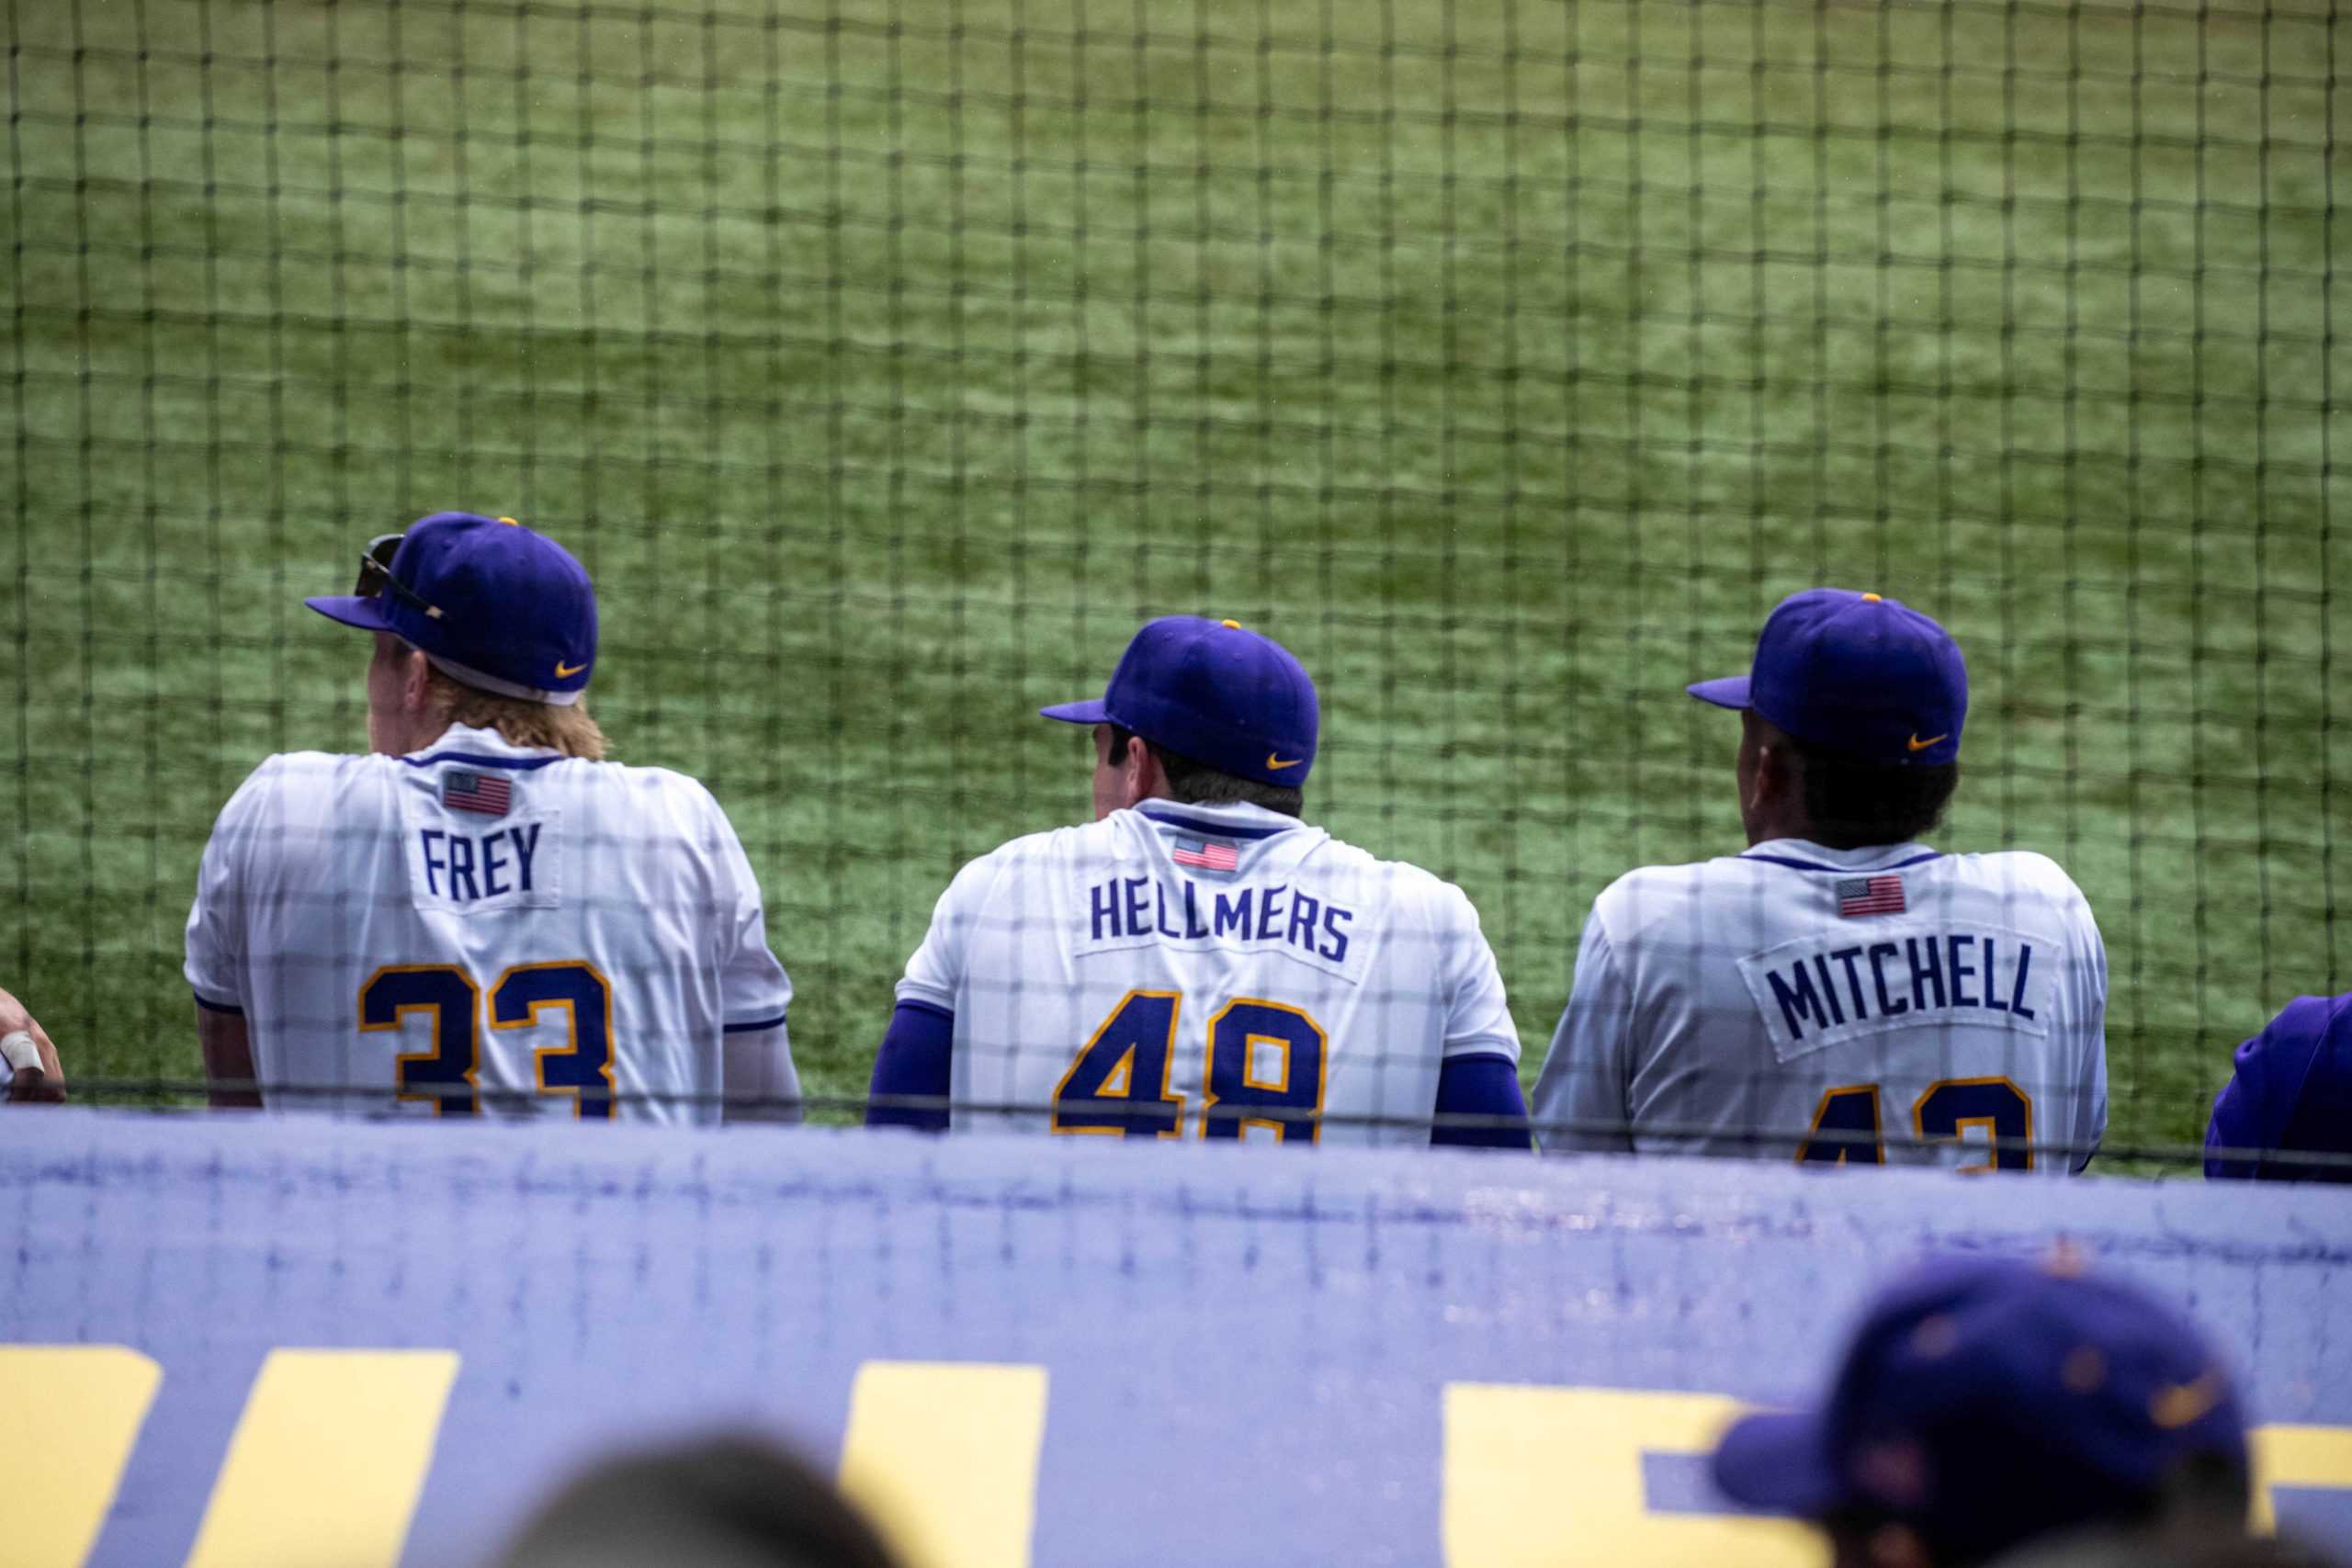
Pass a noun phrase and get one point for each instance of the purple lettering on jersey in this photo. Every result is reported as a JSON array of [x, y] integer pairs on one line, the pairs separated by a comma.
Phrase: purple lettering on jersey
[[2017, 996], [1160, 923], [1104, 897], [1991, 996], [432, 866], [1233, 914], [1270, 913], [526, 845], [1135, 887], [1952, 944], [1304, 910], [461, 868], [1933, 971], [1800, 1003], [492, 865], [1847, 955], [1194, 930], [1888, 1006], [1829, 988], [1332, 915]]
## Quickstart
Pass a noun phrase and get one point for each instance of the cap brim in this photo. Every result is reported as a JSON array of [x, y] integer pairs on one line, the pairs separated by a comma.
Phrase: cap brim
[[1089, 712], [1731, 692], [366, 614], [1776, 1462]]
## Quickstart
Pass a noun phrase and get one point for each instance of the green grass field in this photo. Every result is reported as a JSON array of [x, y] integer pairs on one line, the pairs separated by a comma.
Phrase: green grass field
[[887, 364]]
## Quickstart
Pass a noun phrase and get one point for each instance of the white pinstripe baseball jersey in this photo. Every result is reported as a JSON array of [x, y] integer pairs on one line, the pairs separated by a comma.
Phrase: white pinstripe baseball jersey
[[1889, 1004], [489, 926], [1191, 971]]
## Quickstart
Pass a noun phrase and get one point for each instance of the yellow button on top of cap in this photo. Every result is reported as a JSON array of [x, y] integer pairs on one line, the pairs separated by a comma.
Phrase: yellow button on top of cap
[[1235, 625], [1870, 599], [511, 522]]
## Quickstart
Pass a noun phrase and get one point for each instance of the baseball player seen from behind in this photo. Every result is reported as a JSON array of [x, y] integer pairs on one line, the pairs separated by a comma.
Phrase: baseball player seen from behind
[[1198, 961], [1841, 992], [482, 914]]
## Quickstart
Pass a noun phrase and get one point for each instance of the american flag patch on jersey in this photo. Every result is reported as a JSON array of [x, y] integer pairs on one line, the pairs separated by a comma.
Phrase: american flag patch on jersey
[[490, 794], [1869, 895], [1205, 854]]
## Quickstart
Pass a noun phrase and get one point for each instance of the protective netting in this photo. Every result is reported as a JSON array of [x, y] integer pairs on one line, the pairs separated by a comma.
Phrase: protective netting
[[887, 364]]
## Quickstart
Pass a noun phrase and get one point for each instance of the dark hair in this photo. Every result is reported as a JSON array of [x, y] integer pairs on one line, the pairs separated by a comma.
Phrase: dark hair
[[737, 1501], [1851, 803], [1197, 784], [2203, 1497]]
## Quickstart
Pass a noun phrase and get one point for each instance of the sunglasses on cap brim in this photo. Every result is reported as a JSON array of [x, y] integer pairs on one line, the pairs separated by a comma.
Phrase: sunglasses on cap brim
[[376, 574]]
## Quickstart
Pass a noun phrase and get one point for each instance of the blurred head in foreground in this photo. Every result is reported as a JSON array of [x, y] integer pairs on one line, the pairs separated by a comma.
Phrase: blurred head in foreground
[[730, 1502], [2135, 1548], [1986, 1402]]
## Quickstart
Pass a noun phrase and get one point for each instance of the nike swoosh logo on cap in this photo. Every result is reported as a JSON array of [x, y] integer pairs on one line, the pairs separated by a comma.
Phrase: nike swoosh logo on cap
[[566, 672], [2182, 1404], [1919, 745], [1274, 764]]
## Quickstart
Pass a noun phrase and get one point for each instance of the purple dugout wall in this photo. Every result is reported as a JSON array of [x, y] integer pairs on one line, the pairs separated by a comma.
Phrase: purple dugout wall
[[349, 1343]]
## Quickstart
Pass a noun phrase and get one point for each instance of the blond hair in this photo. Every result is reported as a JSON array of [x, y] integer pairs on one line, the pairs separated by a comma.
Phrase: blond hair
[[568, 729]]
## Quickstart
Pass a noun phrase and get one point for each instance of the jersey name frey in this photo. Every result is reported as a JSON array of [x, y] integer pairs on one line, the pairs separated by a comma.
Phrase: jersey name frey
[[500, 869], [1889, 1005], [487, 927], [1206, 972]]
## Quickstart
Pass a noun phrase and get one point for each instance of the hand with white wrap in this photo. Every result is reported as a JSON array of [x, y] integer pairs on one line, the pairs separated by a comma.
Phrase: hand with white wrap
[[30, 1070]]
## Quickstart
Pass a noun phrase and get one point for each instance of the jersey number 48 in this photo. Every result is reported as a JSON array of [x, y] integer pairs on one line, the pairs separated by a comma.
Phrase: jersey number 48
[[1267, 1062]]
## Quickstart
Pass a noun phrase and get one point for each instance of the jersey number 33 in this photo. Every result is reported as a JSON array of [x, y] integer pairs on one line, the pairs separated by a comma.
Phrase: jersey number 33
[[448, 1075]]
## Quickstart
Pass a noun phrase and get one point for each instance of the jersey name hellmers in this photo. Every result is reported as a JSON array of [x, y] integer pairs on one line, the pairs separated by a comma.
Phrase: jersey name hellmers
[[1817, 1002], [485, 925], [1206, 971]]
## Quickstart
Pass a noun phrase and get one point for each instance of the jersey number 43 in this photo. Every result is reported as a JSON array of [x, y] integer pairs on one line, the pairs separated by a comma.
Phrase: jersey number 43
[[1267, 1062], [1846, 1126], [448, 1075]]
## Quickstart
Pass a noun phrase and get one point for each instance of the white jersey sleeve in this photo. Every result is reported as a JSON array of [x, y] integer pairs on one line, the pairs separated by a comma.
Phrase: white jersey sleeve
[[1478, 1021], [754, 991], [934, 975], [215, 968], [1580, 1094], [755, 994], [2088, 972]]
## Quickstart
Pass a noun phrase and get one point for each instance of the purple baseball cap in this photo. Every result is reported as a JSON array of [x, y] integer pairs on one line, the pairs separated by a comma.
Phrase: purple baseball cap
[[1858, 674], [1213, 690], [491, 602], [1988, 1401], [2291, 1089]]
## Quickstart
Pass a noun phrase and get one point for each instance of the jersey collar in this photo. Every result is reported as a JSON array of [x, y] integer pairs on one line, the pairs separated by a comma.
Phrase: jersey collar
[[1239, 819], [484, 748], [1804, 854]]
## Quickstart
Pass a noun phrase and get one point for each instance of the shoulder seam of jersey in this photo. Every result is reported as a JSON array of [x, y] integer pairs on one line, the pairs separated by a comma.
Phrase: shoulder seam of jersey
[[1215, 830], [475, 760], [1794, 864]]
